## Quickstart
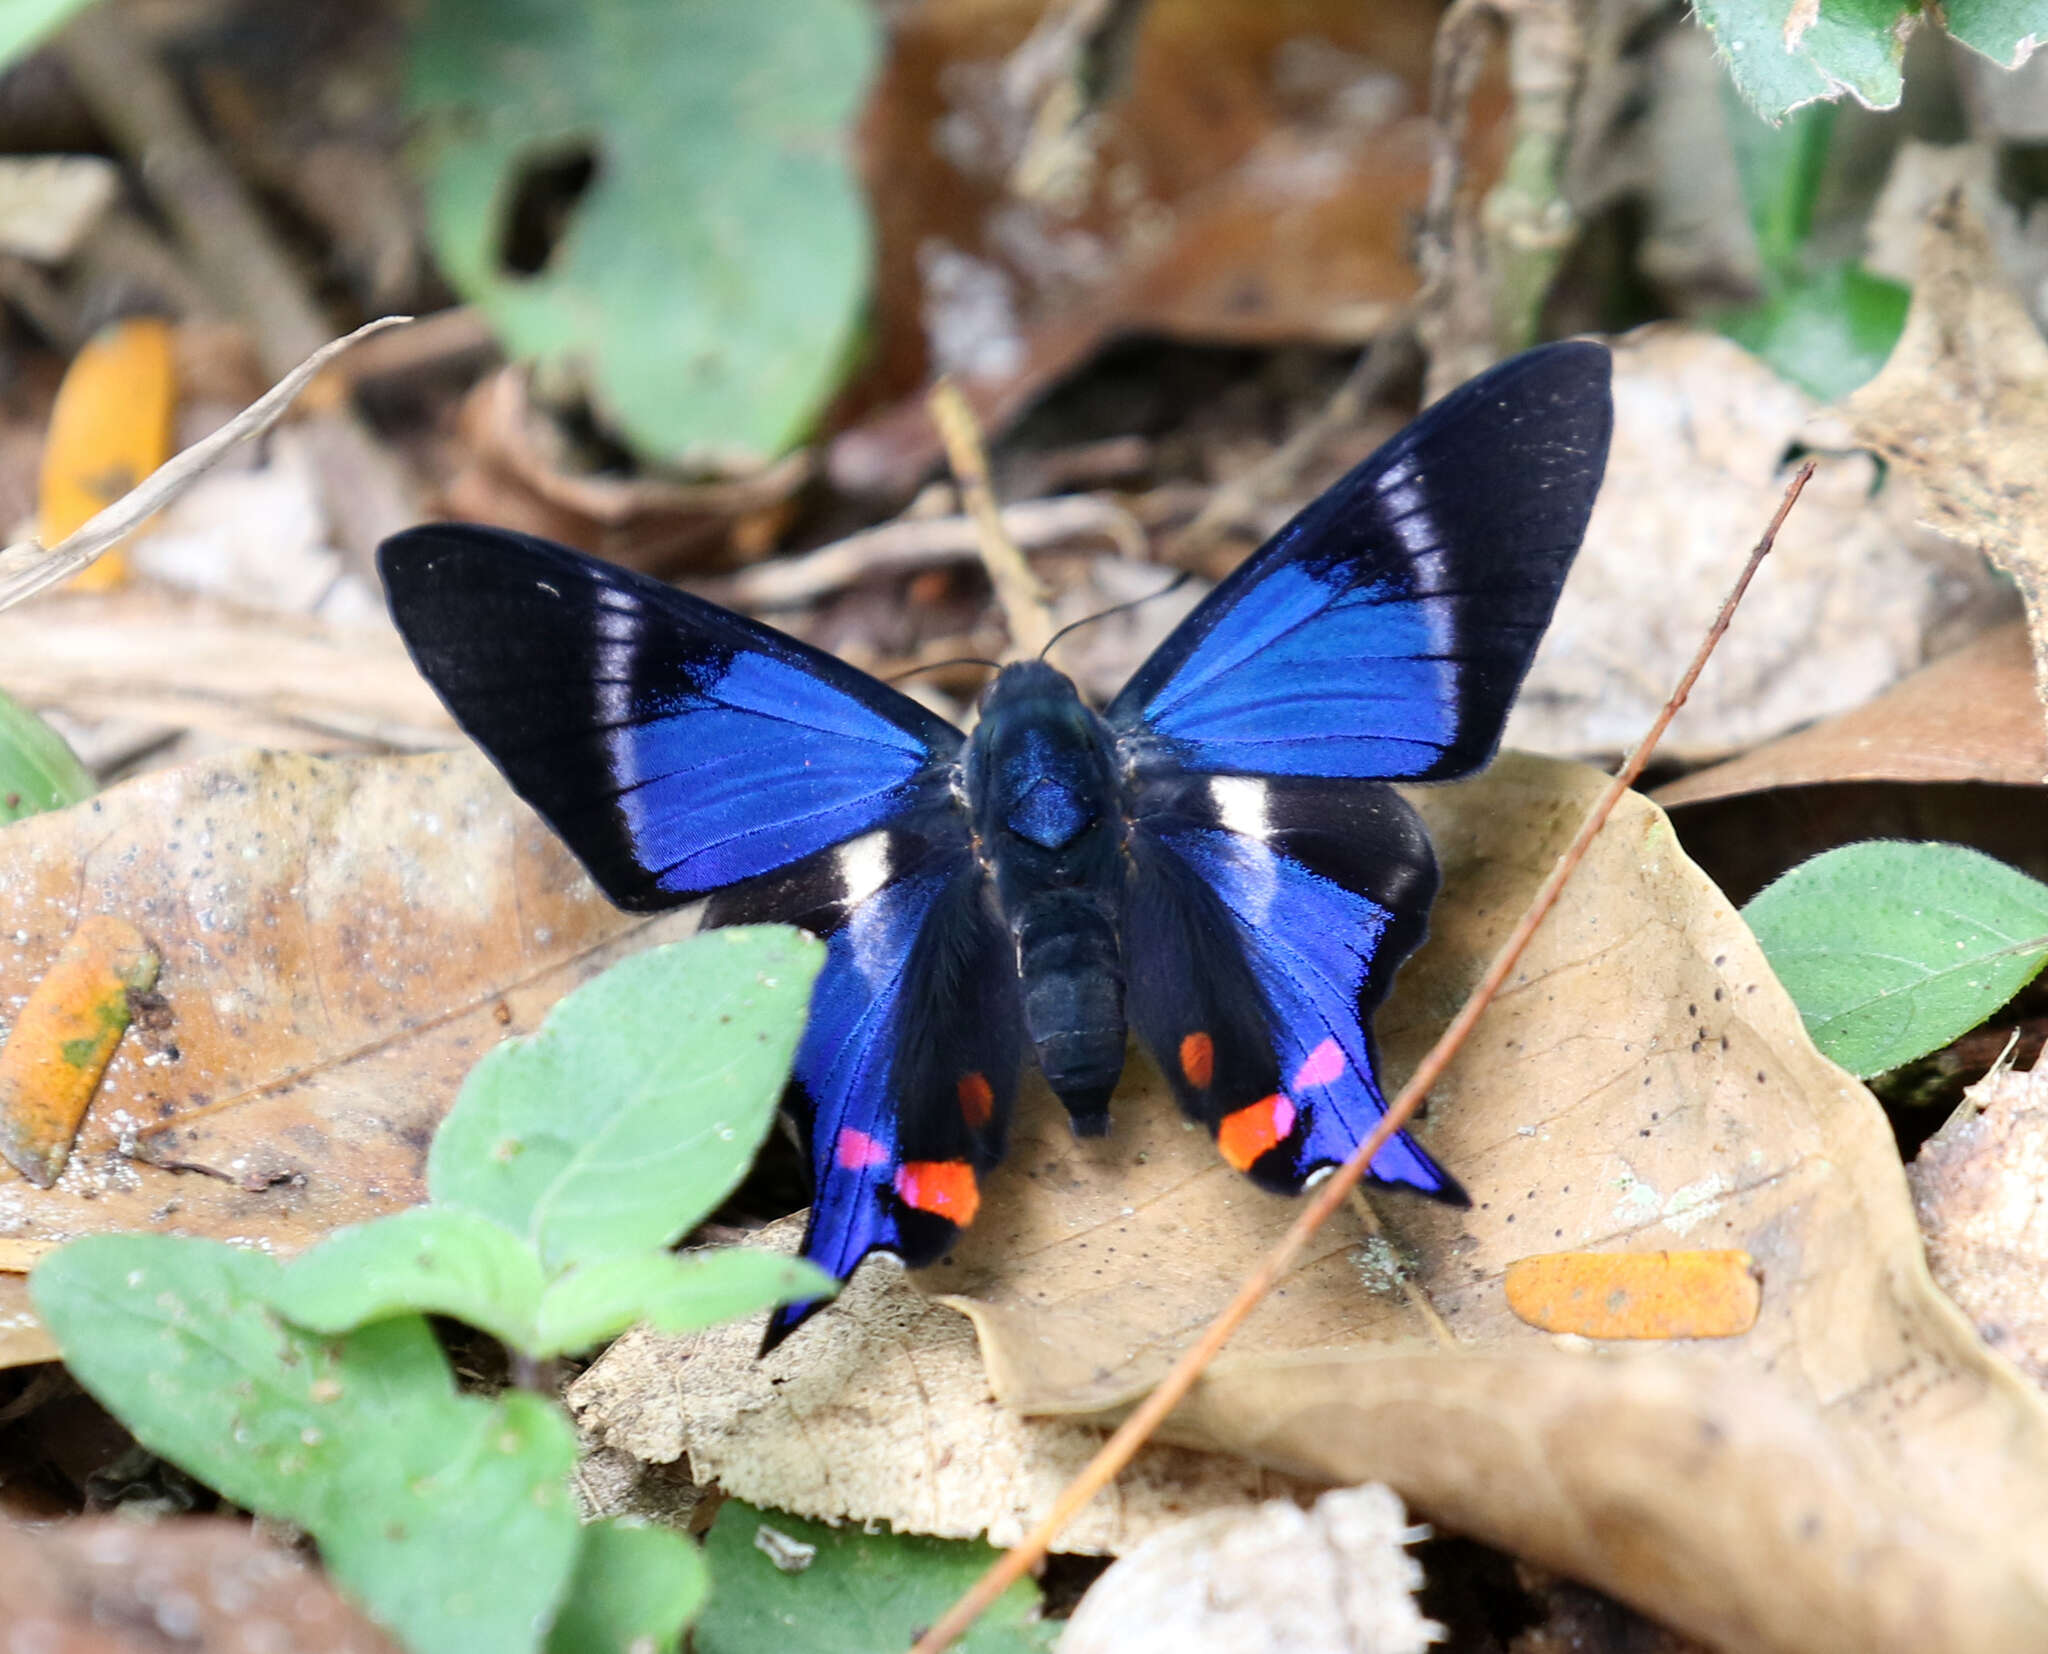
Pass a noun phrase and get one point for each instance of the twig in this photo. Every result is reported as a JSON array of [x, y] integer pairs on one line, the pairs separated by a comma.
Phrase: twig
[[27, 566], [1017, 589], [1173, 1388], [917, 543]]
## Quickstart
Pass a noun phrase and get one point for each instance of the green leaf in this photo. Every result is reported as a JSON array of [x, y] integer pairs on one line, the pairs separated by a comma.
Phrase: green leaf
[[23, 23], [1852, 46], [38, 771], [676, 1294], [640, 1102], [2006, 31], [1780, 168], [1892, 950], [447, 1516], [712, 274], [635, 1590], [1827, 333], [435, 1260], [860, 1592]]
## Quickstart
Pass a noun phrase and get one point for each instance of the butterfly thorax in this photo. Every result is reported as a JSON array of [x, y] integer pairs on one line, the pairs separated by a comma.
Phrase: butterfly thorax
[[1042, 790]]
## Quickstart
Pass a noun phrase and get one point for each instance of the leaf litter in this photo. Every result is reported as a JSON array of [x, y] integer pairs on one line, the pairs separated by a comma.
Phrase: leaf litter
[[340, 940]]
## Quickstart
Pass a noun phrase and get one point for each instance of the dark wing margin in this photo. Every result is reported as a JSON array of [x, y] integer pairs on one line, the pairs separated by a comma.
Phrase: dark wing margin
[[676, 747], [1266, 920], [906, 1078], [1384, 632]]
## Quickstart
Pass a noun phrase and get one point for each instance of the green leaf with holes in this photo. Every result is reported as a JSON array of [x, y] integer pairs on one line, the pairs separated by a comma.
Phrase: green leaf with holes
[[709, 279], [1892, 950], [447, 1516]]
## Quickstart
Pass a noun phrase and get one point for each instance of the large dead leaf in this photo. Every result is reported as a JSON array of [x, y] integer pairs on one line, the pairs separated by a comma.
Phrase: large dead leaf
[[341, 940], [1852, 599], [1962, 406], [879, 1411], [1856, 1472], [1971, 716], [1251, 177]]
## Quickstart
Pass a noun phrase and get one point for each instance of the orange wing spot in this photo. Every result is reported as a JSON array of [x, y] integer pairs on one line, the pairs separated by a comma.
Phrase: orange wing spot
[[1198, 1060], [945, 1188], [1250, 1132], [977, 1099]]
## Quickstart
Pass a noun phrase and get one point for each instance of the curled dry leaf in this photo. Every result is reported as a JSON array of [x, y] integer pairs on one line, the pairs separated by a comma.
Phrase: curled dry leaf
[[1962, 407], [341, 940], [1977, 1185], [206, 1585], [1852, 599], [1855, 1472], [879, 1411], [1970, 716], [1333, 1579]]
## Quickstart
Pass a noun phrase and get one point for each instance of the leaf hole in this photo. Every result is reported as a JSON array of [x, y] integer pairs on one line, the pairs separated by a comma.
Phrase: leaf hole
[[542, 204]]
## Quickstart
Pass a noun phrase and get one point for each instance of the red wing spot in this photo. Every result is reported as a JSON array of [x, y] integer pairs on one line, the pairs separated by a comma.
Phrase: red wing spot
[[1251, 1132], [856, 1151], [945, 1188], [977, 1099], [1198, 1060]]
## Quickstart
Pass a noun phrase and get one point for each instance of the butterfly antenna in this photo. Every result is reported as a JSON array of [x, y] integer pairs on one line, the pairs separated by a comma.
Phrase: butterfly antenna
[[1173, 585], [940, 665]]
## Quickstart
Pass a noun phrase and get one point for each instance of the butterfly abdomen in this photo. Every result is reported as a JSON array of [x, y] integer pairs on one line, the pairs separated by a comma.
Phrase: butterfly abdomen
[[1048, 821]]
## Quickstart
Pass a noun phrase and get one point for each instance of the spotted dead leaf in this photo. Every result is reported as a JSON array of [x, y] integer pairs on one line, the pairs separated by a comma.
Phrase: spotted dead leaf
[[1962, 407], [878, 1411], [1855, 1472], [341, 939], [1970, 716], [1978, 1186]]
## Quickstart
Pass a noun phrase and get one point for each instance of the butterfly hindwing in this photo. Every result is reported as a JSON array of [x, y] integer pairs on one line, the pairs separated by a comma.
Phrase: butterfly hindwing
[[1265, 922], [906, 1078], [675, 746], [1384, 631]]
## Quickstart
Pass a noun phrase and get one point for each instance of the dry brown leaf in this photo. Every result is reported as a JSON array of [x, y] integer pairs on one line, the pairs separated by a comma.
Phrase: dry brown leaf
[[148, 656], [1852, 600], [1980, 1185], [1333, 1579], [879, 1411], [1970, 716], [341, 940], [1962, 407], [206, 1585], [1856, 1472]]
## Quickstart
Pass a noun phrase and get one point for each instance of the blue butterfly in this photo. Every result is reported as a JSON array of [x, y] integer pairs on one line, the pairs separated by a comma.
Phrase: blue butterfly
[[1215, 860]]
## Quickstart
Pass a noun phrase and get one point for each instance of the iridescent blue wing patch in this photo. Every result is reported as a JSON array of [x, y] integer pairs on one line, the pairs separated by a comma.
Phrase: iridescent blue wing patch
[[906, 1078], [1265, 922], [1384, 631], [676, 747]]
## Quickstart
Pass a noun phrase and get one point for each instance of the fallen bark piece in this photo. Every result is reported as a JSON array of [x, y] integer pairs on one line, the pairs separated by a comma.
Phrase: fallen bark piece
[[63, 1040], [1333, 1579], [1637, 1294]]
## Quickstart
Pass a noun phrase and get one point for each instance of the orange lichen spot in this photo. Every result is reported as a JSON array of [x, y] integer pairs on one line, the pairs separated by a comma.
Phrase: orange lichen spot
[[1637, 1294], [109, 428], [1198, 1060], [64, 1038], [977, 1099], [945, 1188], [1251, 1132]]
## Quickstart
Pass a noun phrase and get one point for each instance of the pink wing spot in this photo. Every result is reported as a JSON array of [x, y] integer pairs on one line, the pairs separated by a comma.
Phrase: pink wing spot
[[1322, 1065], [857, 1151]]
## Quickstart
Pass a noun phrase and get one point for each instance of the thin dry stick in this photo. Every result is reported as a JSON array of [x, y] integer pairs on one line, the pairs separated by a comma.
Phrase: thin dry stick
[[1151, 1412], [27, 566], [1017, 588]]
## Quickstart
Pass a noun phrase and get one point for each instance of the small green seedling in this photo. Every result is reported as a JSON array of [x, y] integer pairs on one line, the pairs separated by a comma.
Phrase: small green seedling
[[38, 771], [1892, 950], [316, 1392]]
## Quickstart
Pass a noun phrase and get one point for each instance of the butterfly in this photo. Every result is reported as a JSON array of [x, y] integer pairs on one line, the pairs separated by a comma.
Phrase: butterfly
[[1215, 860]]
